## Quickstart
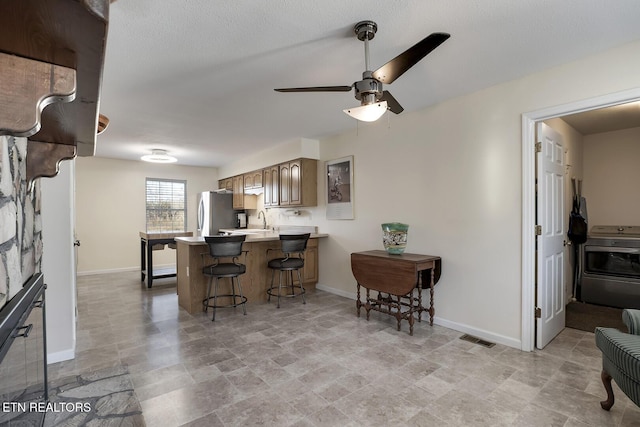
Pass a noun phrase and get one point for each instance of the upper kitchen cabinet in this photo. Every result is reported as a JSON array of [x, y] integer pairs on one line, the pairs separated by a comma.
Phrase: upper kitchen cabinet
[[238, 192], [271, 186], [298, 182], [253, 179], [226, 184], [51, 61]]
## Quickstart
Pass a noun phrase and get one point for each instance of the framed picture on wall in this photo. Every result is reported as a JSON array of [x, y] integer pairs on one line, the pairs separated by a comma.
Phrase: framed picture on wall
[[339, 188]]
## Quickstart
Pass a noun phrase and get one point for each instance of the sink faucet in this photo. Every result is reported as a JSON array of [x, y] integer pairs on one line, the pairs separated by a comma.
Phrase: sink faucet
[[264, 219]]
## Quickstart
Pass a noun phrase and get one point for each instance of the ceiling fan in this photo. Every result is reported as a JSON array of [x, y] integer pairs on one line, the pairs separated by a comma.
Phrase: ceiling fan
[[374, 101]]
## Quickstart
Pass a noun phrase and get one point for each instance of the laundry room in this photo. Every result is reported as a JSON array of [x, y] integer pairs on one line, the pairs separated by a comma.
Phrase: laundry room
[[601, 155]]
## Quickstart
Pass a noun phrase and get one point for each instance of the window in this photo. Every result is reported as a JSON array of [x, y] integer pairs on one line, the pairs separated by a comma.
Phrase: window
[[166, 205]]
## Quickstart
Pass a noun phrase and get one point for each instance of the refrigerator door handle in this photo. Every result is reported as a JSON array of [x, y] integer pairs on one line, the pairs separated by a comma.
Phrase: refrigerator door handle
[[200, 214]]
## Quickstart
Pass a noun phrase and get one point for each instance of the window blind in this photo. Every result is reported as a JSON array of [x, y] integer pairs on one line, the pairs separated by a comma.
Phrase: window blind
[[166, 205]]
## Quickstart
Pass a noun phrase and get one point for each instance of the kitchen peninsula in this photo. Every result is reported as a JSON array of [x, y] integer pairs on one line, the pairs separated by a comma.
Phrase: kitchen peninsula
[[192, 284]]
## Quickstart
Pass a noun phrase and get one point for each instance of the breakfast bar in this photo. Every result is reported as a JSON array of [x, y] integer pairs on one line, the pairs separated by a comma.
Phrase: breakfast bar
[[192, 255]]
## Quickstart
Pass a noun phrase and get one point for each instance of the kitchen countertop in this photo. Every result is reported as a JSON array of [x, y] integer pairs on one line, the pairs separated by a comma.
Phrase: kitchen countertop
[[253, 235]]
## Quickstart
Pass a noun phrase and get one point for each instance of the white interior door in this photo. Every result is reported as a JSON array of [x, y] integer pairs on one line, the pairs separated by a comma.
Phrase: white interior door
[[550, 277]]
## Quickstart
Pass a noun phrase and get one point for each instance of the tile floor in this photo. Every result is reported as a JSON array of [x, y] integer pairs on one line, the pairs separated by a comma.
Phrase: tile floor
[[320, 365]]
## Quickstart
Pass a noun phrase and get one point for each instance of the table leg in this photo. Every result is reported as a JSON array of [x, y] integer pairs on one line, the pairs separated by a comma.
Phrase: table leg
[[149, 264], [420, 298], [143, 258], [358, 303], [411, 319], [368, 304], [431, 284]]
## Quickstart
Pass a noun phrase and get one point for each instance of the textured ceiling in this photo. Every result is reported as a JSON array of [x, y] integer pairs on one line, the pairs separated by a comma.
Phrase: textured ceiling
[[196, 77]]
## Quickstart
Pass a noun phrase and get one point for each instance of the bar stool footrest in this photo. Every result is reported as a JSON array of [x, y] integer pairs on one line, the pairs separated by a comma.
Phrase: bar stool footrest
[[207, 305], [273, 291]]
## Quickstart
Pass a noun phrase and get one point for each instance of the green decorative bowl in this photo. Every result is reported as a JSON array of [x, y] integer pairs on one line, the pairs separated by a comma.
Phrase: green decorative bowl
[[394, 237]]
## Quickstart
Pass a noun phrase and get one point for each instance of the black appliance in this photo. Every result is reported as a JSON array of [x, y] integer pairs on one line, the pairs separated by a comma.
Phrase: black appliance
[[23, 356]]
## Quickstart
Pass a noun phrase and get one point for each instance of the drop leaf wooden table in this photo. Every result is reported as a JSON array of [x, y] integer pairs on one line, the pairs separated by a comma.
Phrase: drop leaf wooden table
[[395, 277]]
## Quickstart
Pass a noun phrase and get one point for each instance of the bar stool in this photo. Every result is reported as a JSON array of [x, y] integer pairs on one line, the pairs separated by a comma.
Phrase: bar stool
[[224, 247], [291, 244]]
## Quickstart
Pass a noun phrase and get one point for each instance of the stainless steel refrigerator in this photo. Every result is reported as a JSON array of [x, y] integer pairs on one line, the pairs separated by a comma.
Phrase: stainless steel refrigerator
[[215, 211]]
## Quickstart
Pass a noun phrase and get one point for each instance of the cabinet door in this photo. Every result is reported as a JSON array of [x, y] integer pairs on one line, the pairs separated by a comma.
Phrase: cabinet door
[[270, 183], [257, 179], [275, 186], [225, 184], [295, 183], [238, 192], [310, 270], [267, 186], [249, 180], [285, 184]]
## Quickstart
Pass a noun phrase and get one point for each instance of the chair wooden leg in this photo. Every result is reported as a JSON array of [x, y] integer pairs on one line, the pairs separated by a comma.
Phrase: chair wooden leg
[[606, 381]]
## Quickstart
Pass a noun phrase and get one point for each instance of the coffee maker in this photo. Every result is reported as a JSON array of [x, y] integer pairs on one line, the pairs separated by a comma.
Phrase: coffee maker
[[241, 220]]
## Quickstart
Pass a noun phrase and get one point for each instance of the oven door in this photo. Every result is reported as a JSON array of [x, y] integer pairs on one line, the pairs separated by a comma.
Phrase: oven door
[[611, 275]]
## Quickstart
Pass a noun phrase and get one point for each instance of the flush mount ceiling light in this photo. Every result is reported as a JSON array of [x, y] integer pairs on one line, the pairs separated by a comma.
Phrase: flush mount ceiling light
[[159, 156]]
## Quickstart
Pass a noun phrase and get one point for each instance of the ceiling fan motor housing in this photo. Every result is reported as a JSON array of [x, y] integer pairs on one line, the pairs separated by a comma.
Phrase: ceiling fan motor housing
[[368, 90]]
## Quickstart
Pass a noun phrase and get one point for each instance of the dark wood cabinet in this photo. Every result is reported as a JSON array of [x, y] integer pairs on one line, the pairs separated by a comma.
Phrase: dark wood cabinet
[[238, 192], [226, 184], [253, 179], [285, 184], [299, 183], [271, 186]]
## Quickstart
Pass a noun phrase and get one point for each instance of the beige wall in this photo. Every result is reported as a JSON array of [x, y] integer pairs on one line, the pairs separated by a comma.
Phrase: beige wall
[[453, 172], [612, 174], [110, 201]]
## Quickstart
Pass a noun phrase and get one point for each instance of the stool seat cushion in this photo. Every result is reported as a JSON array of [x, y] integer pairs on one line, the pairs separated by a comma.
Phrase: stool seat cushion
[[286, 263], [224, 269]]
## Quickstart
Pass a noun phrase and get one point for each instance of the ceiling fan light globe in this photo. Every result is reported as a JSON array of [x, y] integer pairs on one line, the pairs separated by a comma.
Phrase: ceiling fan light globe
[[369, 112]]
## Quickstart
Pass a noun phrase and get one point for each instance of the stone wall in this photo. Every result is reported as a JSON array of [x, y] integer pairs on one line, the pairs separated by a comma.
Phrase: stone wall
[[20, 222]]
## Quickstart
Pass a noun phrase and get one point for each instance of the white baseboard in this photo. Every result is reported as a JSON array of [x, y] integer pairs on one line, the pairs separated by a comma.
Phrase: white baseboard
[[335, 291], [120, 270], [479, 333], [61, 356], [460, 327]]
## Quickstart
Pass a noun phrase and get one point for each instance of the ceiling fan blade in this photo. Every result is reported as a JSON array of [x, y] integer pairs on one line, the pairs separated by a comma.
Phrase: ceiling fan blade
[[410, 57], [392, 104], [316, 89]]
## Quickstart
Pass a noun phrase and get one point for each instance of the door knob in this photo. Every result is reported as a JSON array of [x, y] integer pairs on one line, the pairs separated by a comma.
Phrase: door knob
[[76, 243]]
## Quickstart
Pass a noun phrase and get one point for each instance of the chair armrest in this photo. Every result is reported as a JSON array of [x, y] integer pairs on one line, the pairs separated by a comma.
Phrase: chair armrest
[[631, 318]]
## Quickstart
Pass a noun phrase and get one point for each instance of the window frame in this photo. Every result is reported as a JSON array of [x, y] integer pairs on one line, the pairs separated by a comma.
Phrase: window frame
[[173, 199]]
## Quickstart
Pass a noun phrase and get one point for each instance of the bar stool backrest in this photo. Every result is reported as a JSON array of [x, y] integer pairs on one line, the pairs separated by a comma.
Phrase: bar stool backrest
[[225, 246], [294, 243]]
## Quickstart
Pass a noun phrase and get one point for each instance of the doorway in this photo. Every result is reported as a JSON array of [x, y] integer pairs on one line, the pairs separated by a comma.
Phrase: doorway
[[529, 121]]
